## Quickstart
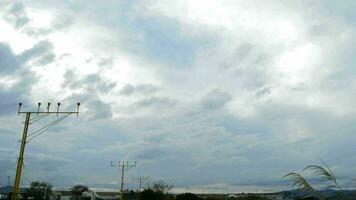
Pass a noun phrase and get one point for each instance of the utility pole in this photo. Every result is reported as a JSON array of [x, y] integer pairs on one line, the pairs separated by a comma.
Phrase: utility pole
[[124, 166], [140, 179], [28, 120], [203, 192]]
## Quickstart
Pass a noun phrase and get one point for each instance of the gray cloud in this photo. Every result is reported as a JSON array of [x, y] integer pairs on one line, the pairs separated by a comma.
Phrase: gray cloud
[[89, 82], [223, 111], [92, 86], [215, 99], [153, 154], [106, 61], [41, 52], [95, 108], [155, 102], [263, 91], [11, 65], [102, 110], [144, 89], [16, 15], [8, 61], [102, 85]]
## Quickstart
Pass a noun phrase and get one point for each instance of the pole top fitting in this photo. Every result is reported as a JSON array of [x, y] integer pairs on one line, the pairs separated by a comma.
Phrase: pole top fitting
[[18, 111]]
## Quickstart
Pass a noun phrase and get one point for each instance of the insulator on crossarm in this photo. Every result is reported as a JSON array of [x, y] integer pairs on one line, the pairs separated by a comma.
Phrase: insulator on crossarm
[[58, 104], [38, 107], [48, 106], [78, 104], [19, 110]]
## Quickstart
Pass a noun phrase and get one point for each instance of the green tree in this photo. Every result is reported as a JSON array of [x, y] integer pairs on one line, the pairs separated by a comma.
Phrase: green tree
[[162, 187], [77, 191], [40, 190]]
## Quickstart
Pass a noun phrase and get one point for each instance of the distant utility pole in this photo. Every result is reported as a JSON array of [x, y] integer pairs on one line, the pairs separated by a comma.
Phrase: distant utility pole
[[140, 179], [8, 180], [124, 166], [28, 120], [203, 192]]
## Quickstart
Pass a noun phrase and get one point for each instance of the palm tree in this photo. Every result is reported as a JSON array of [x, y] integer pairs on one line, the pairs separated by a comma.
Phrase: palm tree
[[324, 172]]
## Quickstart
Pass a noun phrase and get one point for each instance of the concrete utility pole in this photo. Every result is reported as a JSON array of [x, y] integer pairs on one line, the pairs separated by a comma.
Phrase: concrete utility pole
[[140, 179], [39, 115], [124, 166]]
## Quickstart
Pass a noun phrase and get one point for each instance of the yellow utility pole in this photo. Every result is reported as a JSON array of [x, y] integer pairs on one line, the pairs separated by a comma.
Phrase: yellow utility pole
[[39, 115], [124, 166], [16, 188]]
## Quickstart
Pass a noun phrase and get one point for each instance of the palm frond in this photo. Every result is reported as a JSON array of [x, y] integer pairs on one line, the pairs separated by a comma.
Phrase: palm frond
[[299, 181], [318, 170], [324, 172], [332, 173]]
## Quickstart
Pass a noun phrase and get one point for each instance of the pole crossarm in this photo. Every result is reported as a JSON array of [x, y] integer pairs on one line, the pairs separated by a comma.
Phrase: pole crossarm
[[121, 164], [39, 115], [35, 112], [48, 109]]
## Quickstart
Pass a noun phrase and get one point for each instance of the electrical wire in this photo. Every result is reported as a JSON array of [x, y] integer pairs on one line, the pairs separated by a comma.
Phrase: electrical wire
[[45, 128], [35, 119], [50, 124], [37, 116], [42, 130]]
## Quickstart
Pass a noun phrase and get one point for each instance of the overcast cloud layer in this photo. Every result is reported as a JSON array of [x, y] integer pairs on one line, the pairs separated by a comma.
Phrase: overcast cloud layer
[[226, 94]]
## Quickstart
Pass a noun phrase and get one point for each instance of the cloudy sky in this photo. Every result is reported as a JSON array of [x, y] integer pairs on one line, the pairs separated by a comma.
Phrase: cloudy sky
[[220, 94]]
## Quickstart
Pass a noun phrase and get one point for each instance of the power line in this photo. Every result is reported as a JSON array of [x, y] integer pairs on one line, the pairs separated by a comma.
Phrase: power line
[[45, 128], [42, 128], [40, 115], [123, 165]]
